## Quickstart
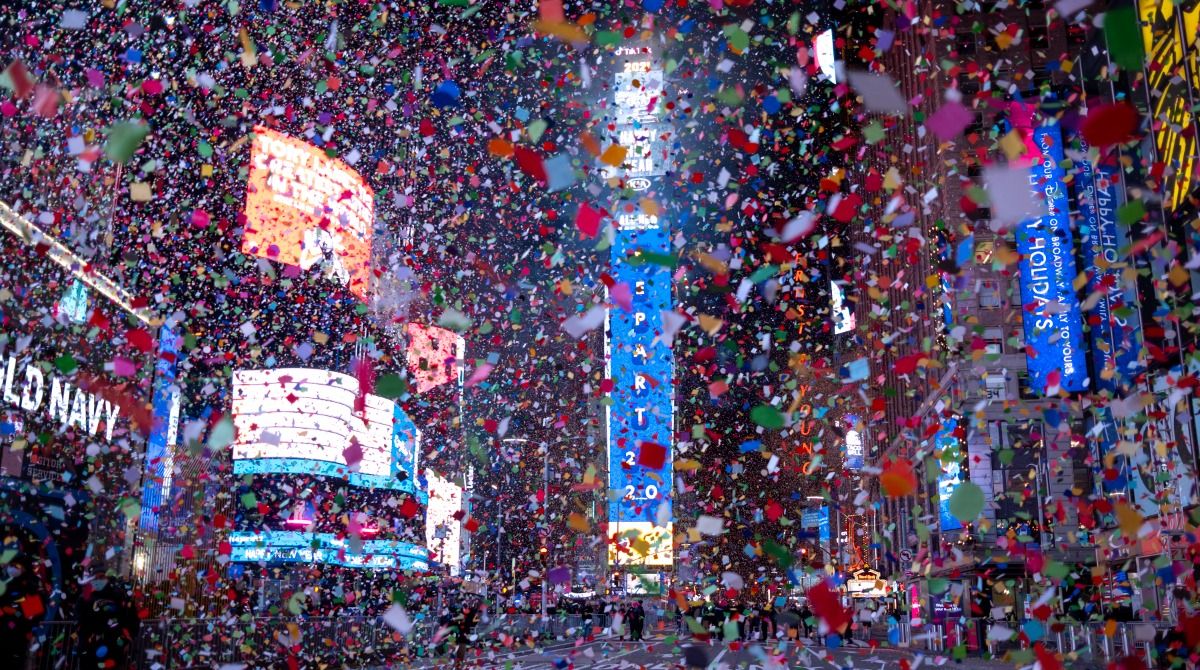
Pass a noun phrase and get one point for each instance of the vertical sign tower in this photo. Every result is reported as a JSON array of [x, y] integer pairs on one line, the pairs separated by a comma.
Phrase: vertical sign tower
[[640, 362]]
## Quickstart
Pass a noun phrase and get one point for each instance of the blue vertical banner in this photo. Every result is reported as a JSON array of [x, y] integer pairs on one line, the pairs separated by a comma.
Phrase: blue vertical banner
[[1053, 333], [1114, 334], [406, 449], [642, 369], [951, 471], [160, 448]]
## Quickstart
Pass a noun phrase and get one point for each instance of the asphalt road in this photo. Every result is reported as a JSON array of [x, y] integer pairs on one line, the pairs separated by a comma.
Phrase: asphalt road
[[658, 655]]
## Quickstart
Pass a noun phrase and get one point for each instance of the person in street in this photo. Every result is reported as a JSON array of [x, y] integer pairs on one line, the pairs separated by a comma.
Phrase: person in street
[[464, 626], [805, 615], [620, 622], [637, 621]]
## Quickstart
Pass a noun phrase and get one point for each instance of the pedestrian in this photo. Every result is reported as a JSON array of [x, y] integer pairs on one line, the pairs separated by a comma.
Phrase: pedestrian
[[619, 622], [637, 621], [465, 625], [805, 615]]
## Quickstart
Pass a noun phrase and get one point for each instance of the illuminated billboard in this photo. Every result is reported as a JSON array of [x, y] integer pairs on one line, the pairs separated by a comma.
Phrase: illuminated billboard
[[307, 209], [325, 549], [303, 421], [855, 453], [1166, 37], [826, 60], [639, 362], [951, 474], [434, 356], [1052, 322], [443, 532], [844, 320]]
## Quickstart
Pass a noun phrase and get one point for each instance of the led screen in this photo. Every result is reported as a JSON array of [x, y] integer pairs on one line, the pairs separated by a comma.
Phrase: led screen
[[443, 532], [306, 209], [325, 549], [1053, 325], [298, 420], [433, 355]]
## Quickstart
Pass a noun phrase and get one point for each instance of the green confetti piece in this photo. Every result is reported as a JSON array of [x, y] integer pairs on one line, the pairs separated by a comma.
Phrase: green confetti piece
[[222, 434], [608, 38], [536, 128], [966, 503], [454, 3], [764, 273], [649, 258], [874, 132], [205, 149], [390, 386], [1131, 212], [249, 501], [739, 40], [1123, 38], [124, 138], [767, 416], [66, 364], [938, 585]]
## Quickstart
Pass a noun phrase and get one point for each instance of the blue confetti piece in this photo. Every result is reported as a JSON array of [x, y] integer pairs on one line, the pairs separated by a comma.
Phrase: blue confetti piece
[[771, 105], [750, 445]]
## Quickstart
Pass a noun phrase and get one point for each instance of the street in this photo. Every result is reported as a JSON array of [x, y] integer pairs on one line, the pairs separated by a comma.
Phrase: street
[[661, 654]]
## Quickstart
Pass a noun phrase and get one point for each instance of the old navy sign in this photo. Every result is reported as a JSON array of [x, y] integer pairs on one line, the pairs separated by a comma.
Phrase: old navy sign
[[1053, 327]]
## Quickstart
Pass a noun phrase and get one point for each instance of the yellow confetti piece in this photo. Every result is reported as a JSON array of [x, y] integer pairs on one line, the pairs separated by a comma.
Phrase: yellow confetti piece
[[565, 31], [578, 522], [139, 191], [1012, 145], [710, 324], [1128, 519], [614, 155], [686, 465]]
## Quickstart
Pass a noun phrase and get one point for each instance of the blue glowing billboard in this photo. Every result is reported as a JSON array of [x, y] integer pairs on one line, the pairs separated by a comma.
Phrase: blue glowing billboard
[[642, 369], [1051, 315], [156, 481], [951, 475], [325, 549]]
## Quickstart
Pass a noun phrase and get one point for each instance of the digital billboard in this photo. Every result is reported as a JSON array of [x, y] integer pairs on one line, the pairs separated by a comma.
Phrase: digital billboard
[[77, 362], [434, 356], [1114, 336], [1168, 31], [951, 475], [639, 363], [826, 59], [304, 421], [443, 532], [307, 209], [855, 454], [325, 549], [164, 434], [844, 320], [1052, 322]]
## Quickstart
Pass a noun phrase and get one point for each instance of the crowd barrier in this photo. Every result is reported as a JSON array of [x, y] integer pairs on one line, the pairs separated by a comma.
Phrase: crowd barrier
[[184, 644]]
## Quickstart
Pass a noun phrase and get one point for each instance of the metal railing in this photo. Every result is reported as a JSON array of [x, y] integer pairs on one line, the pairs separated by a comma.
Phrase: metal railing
[[269, 641], [1087, 641]]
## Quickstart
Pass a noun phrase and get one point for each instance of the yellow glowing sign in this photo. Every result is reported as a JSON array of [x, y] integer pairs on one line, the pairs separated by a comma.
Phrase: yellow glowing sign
[[640, 543], [1168, 80]]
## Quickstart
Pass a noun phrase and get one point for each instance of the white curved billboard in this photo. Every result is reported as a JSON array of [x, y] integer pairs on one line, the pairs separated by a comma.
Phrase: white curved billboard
[[298, 420]]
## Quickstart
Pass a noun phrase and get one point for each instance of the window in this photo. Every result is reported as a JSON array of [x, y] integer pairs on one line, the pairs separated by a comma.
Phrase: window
[[984, 251], [989, 294], [995, 386], [994, 339]]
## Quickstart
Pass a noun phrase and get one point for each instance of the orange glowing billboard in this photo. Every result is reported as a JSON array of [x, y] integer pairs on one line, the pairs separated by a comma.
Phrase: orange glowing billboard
[[306, 209]]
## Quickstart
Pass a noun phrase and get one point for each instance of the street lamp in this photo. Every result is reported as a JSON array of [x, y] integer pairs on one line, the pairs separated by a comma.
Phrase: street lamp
[[544, 551]]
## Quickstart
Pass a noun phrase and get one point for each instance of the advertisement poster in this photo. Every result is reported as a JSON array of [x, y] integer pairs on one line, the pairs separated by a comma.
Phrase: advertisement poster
[[306, 209]]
